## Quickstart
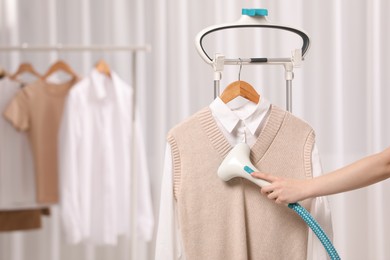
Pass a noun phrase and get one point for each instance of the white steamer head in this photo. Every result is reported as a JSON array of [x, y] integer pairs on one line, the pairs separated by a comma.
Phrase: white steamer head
[[237, 164]]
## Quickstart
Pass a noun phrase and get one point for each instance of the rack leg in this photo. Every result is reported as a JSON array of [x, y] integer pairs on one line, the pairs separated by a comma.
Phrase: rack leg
[[216, 88], [289, 75], [289, 95], [133, 174]]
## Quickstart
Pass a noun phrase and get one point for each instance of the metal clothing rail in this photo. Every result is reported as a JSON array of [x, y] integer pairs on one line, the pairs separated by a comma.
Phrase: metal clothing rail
[[133, 49], [61, 47], [220, 61]]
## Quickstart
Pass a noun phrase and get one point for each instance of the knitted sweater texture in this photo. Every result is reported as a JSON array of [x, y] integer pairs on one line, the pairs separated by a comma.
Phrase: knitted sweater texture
[[232, 220]]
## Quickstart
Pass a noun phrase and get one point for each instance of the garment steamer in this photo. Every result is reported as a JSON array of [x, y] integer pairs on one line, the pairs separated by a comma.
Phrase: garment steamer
[[237, 162]]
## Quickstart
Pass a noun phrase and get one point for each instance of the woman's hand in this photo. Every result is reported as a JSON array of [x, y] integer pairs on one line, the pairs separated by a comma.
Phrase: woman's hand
[[364, 172], [283, 190]]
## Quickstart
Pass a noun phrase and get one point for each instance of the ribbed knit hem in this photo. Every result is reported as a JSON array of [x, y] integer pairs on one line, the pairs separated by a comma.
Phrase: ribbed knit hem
[[307, 154], [213, 132], [268, 134], [263, 142], [176, 165]]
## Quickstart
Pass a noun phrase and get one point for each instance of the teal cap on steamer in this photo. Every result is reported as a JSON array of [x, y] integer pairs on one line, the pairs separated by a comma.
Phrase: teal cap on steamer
[[254, 12]]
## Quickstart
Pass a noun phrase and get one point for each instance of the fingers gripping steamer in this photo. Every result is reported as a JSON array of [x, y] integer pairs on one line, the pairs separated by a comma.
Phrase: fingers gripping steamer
[[237, 164]]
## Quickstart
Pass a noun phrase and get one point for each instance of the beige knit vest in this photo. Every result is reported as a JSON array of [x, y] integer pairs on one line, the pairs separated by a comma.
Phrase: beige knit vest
[[233, 220]]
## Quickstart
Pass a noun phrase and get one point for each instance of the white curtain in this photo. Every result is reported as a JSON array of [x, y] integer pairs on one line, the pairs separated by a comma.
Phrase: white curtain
[[342, 90]]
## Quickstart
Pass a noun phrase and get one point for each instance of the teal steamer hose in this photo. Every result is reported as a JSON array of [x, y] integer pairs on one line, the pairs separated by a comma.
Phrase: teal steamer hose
[[313, 224]]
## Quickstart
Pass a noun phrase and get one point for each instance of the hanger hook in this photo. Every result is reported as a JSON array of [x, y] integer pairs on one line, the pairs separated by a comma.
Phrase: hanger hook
[[239, 72]]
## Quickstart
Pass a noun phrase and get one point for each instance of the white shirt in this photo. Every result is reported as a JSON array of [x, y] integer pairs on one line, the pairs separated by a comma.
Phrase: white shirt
[[239, 121], [17, 180], [95, 163]]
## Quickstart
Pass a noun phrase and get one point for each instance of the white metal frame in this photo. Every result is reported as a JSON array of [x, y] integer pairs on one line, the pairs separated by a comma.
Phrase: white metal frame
[[289, 63]]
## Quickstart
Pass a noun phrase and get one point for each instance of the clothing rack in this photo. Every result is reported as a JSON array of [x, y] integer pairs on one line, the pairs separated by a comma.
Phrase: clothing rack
[[133, 49]]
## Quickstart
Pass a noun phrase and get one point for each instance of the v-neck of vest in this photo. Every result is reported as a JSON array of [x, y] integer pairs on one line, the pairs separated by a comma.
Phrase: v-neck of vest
[[262, 143]]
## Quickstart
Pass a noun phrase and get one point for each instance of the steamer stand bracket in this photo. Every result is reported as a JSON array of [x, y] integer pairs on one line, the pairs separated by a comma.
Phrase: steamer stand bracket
[[254, 18]]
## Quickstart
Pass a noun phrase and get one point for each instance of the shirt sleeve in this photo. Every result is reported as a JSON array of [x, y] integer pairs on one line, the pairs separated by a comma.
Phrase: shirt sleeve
[[17, 112], [320, 210], [168, 241], [145, 218], [69, 173]]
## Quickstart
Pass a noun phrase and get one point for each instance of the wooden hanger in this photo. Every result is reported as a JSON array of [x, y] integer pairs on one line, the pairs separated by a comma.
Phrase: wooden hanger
[[25, 68], [58, 66], [3, 72], [240, 88], [103, 68]]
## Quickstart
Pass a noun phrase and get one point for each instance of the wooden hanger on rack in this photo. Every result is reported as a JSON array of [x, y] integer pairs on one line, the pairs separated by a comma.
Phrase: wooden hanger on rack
[[3, 72], [60, 65], [103, 68], [25, 68], [240, 88]]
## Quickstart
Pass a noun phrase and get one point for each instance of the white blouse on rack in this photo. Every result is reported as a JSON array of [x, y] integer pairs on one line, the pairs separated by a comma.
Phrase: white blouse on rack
[[239, 121], [96, 161]]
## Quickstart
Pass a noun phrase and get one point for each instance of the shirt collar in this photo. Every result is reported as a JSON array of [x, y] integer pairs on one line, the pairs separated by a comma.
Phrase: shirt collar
[[251, 114], [101, 82]]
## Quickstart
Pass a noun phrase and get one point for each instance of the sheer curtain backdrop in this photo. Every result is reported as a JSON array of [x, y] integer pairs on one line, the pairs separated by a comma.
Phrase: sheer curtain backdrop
[[342, 90]]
